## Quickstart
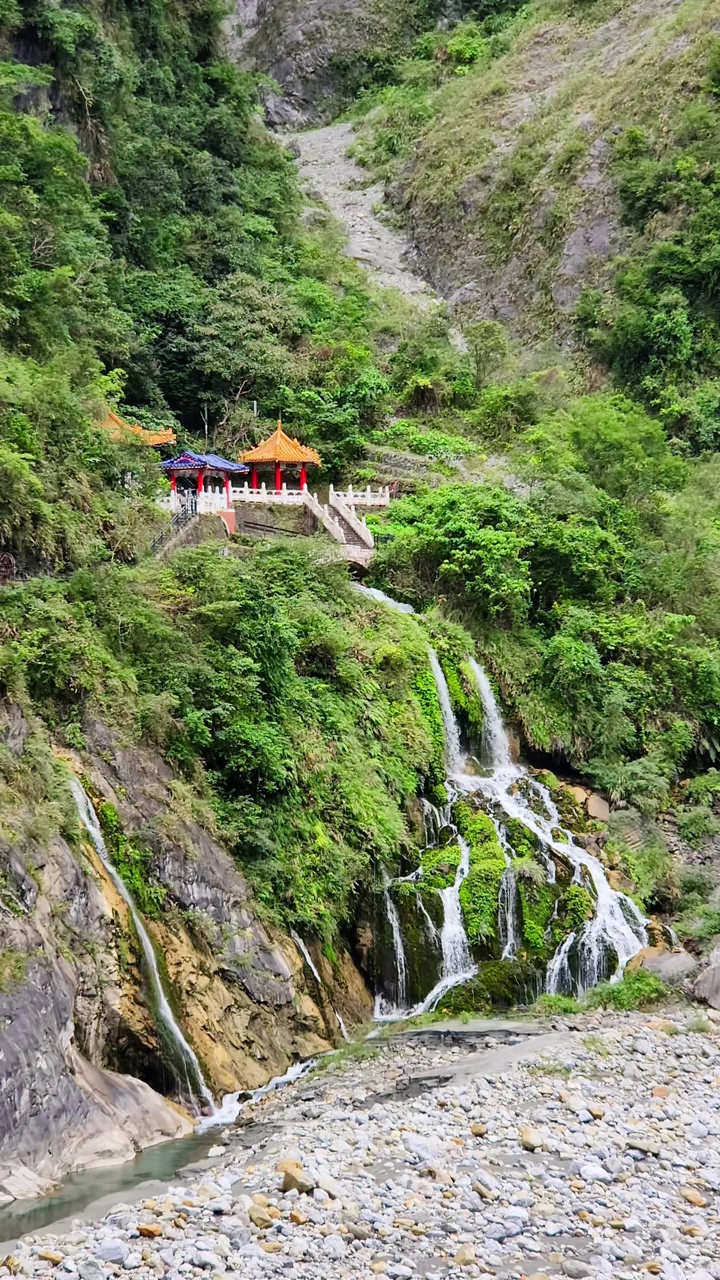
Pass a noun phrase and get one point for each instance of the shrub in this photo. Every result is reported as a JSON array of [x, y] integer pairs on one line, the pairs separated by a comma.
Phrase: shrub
[[549, 1004], [698, 825], [634, 991]]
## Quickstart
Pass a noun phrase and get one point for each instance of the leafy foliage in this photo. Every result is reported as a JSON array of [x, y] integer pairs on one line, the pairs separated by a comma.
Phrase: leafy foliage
[[635, 991], [573, 589], [285, 697], [660, 330]]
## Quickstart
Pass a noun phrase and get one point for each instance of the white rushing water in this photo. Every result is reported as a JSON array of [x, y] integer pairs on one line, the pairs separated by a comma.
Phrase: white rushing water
[[383, 1007], [495, 744], [306, 957], [184, 1054], [302, 948], [233, 1103], [453, 938], [617, 925], [453, 752], [506, 790]]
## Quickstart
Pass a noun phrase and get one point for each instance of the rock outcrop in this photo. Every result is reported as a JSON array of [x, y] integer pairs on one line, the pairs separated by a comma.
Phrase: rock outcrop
[[312, 48], [82, 1071]]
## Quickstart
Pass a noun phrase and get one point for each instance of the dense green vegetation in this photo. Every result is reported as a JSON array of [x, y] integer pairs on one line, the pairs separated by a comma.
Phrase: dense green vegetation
[[593, 593], [659, 329], [282, 696], [154, 258]]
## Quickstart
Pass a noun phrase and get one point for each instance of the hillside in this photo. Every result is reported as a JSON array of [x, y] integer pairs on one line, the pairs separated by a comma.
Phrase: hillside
[[244, 802]]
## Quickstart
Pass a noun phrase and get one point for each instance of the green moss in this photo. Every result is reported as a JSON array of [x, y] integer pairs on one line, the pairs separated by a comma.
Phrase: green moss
[[439, 868], [578, 906], [498, 983], [547, 1005], [425, 690], [537, 902], [523, 842], [480, 888], [132, 862], [13, 965], [464, 696]]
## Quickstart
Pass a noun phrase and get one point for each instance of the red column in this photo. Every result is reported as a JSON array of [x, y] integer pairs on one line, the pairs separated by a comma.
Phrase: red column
[[278, 477], [200, 480], [253, 478], [303, 476], [227, 493]]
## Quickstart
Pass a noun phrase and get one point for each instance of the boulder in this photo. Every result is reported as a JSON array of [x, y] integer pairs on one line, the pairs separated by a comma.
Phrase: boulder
[[672, 967], [597, 807], [707, 987]]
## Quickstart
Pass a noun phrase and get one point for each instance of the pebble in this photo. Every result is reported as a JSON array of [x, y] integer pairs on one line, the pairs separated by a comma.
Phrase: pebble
[[564, 1164]]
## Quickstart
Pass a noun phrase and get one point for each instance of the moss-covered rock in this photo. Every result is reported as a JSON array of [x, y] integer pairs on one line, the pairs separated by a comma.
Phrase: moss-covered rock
[[498, 984], [425, 691], [537, 904], [480, 888], [439, 868]]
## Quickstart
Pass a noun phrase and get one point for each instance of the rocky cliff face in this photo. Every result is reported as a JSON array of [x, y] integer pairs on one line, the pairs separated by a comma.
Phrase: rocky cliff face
[[82, 1072], [314, 49]]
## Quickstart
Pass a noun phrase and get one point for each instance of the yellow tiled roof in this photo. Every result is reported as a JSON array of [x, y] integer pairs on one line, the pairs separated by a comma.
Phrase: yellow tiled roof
[[114, 423], [280, 447]]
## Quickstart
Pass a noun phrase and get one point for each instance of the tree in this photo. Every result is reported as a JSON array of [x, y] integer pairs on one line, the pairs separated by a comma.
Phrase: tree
[[488, 348]]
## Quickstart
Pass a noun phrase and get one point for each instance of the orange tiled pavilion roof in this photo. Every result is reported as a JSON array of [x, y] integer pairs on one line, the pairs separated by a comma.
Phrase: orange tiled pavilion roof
[[114, 423], [280, 447]]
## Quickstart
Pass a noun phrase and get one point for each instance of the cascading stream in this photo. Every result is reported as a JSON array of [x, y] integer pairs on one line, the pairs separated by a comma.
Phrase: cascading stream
[[617, 925], [184, 1054], [304, 951], [383, 1008]]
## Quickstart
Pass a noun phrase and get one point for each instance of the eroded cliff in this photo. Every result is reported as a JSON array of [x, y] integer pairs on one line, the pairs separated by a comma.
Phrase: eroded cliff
[[84, 1071]]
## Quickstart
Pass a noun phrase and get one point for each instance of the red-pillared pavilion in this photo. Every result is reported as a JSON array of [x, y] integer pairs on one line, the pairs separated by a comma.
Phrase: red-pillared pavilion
[[281, 451]]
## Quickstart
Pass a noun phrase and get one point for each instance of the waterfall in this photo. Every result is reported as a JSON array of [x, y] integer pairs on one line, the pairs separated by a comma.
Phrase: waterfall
[[303, 949], [430, 927], [507, 914], [495, 745], [457, 960], [374, 593], [453, 753], [617, 924], [383, 1009], [306, 957], [185, 1054], [509, 933]]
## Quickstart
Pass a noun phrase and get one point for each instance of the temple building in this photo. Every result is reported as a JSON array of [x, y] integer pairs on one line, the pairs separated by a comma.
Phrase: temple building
[[117, 427], [281, 451], [201, 482]]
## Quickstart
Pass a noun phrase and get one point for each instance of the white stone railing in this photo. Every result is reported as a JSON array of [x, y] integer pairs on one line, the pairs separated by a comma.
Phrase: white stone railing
[[211, 501], [321, 511], [292, 497], [355, 522], [364, 497]]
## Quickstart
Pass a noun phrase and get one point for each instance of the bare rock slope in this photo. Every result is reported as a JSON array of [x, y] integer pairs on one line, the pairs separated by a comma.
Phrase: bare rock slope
[[83, 1073]]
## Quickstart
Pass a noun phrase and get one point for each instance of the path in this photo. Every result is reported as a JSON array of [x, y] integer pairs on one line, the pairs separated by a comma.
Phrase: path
[[334, 178]]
